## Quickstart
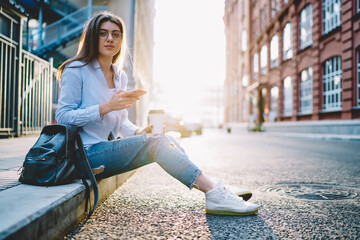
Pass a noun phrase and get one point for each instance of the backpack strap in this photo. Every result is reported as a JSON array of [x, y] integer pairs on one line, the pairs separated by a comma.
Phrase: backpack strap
[[90, 175]]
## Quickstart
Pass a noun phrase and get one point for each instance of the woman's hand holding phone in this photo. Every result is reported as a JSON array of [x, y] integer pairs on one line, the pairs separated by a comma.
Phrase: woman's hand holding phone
[[121, 100]]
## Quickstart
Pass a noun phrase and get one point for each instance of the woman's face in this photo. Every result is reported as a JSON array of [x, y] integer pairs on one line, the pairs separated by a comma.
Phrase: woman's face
[[109, 39]]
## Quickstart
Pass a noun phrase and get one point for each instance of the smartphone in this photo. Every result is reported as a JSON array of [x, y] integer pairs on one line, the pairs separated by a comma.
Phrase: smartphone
[[135, 93]]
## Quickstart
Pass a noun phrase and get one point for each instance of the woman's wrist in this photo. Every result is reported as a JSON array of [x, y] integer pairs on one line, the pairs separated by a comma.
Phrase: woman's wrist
[[104, 109]]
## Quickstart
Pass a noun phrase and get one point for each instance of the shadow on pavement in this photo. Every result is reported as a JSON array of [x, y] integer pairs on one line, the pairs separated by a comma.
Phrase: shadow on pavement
[[239, 227]]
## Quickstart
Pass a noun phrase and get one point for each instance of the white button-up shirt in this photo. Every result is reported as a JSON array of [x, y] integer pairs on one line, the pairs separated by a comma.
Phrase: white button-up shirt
[[83, 89]]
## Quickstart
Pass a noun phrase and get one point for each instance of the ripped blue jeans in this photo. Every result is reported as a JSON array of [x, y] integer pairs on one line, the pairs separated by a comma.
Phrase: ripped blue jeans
[[129, 153]]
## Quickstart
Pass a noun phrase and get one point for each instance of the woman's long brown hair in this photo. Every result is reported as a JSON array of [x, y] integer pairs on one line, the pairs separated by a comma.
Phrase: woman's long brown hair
[[89, 41]]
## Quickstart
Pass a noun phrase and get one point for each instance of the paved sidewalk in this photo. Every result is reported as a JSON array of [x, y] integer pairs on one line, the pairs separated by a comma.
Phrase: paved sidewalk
[[12, 154], [35, 212]]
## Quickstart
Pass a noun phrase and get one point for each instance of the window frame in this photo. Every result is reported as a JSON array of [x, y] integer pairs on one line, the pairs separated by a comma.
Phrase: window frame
[[255, 66], [243, 40], [274, 8], [287, 53], [287, 97], [307, 26], [358, 77], [332, 97], [330, 19], [263, 55], [274, 99], [306, 91], [274, 62]]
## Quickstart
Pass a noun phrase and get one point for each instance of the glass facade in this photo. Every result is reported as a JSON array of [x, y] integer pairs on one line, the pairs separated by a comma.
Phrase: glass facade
[[332, 84]]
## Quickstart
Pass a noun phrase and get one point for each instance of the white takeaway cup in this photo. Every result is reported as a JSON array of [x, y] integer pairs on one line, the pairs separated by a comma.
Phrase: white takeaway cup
[[156, 119]]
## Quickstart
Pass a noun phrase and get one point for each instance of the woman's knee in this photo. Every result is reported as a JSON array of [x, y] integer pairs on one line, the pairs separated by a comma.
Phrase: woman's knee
[[160, 144]]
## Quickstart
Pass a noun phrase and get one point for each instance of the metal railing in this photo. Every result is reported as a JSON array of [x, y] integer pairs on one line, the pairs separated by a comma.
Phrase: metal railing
[[61, 31], [8, 76], [36, 93], [28, 90]]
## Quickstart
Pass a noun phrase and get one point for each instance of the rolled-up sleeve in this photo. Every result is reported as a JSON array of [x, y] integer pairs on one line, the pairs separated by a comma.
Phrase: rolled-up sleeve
[[69, 111]]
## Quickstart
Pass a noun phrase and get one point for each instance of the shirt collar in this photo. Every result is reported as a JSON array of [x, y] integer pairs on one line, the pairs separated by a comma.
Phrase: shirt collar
[[95, 64]]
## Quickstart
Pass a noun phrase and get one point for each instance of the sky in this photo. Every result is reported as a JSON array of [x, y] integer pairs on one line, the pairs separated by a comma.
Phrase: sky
[[189, 50]]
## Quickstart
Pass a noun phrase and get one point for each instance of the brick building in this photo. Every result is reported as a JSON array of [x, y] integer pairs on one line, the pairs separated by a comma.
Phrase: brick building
[[292, 60]]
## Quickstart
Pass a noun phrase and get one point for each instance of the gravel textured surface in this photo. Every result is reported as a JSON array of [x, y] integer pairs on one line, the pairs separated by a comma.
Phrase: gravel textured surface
[[307, 189]]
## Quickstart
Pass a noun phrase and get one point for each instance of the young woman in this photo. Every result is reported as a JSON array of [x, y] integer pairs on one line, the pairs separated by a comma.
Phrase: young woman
[[94, 98]]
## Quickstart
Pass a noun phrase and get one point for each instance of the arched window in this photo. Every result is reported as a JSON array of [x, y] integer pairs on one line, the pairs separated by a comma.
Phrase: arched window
[[332, 84], [306, 24], [306, 91], [255, 66], [288, 96], [274, 93], [243, 40], [287, 42], [274, 51], [263, 59]]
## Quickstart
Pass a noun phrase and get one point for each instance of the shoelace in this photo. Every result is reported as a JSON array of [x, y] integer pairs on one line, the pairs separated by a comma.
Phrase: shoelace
[[226, 194]]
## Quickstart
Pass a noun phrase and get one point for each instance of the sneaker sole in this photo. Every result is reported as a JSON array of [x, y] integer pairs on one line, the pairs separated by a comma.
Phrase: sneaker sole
[[225, 212], [245, 196]]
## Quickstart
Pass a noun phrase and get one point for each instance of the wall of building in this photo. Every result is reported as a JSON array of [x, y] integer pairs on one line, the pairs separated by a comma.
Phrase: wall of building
[[263, 22]]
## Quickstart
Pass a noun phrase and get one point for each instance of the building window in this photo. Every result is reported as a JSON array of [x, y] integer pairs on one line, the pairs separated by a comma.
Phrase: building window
[[255, 66], [263, 59], [287, 42], [288, 96], [243, 40], [245, 80], [264, 17], [255, 29], [358, 6], [306, 91], [275, 7], [331, 15], [332, 84], [306, 23], [274, 95], [358, 76], [286, 2], [274, 51]]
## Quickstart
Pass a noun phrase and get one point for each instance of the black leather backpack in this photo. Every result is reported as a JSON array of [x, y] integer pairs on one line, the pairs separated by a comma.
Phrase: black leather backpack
[[52, 160]]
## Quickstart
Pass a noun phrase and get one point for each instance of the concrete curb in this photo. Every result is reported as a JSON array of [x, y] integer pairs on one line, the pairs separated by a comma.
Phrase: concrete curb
[[348, 130], [34, 212]]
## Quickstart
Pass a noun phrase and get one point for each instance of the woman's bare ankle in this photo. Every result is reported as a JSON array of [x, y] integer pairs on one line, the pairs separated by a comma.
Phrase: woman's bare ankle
[[204, 184]]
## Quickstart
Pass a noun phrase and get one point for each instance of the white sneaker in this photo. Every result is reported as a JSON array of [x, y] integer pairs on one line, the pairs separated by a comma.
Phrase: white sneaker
[[221, 201], [244, 193]]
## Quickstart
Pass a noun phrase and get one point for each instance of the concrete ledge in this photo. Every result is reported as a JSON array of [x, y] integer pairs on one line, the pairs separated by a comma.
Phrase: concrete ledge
[[34, 212]]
